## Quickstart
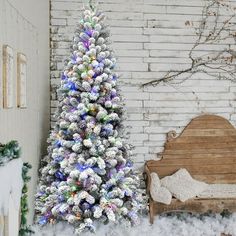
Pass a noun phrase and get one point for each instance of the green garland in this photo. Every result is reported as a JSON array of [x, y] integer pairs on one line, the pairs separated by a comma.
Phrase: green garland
[[9, 152], [24, 228]]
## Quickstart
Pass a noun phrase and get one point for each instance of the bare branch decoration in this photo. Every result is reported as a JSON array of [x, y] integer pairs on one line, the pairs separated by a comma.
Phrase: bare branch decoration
[[217, 34]]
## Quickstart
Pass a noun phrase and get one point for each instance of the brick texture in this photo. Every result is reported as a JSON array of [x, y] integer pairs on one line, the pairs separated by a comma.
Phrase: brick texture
[[149, 37]]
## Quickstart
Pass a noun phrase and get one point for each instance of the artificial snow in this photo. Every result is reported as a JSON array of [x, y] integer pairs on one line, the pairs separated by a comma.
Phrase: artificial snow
[[10, 185], [173, 225]]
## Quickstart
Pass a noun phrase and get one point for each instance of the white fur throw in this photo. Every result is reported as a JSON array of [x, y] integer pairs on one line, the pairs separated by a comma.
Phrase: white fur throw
[[182, 185], [219, 191], [159, 193]]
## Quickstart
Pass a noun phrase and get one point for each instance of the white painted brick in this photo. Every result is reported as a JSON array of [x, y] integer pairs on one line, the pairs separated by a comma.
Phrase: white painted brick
[[172, 32], [130, 59], [121, 1], [141, 150], [175, 2], [132, 53], [54, 103], [136, 129], [190, 96], [128, 7], [126, 31], [131, 89], [138, 158], [156, 130], [135, 116], [137, 96], [124, 15], [133, 66], [127, 23], [154, 9], [153, 143], [139, 137], [133, 103], [130, 38], [60, 22], [65, 5], [125, 45], [157, 137], [184, 10], [137, 123]]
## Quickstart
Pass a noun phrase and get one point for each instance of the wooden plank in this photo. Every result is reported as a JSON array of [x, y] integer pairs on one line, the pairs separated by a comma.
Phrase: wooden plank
[[209, 132], [202, 161], [197, 206], [215, 145], [198, 170], [199, 151], [210, 126], [205, 140], [209, 118], [175, 156]]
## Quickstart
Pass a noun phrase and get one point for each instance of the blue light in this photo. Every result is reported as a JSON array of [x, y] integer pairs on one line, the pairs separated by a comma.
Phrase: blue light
[[129, 164], [58, 143], [60, 175], [58, 159], [70, 85], [73, 59], [81, 167], [64, 77], [43, 220]]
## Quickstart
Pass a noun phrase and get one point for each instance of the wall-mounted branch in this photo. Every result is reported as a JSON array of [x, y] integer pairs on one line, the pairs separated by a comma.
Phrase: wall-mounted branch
[[212, 31]]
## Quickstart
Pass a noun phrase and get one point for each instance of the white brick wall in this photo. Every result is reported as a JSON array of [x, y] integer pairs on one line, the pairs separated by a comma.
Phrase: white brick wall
[[149, 37]]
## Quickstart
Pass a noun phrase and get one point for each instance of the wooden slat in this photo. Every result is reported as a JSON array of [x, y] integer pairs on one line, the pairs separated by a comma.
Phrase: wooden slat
[[200, 151], [199, 155], [198, 170], [212, 145], [197, 206], [205, 140], [209, 132], [202, 161]]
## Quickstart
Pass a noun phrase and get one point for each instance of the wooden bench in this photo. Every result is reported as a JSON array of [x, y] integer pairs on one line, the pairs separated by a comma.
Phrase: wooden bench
[[207, 149]]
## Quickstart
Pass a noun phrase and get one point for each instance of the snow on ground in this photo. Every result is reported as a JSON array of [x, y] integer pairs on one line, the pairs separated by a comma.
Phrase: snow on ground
[[173, 225]]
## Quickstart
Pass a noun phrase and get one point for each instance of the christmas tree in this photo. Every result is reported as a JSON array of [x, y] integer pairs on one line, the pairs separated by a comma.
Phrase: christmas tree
[[88, 173]]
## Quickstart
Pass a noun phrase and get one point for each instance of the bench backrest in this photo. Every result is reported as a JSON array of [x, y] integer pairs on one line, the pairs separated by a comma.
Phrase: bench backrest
[[206, 148]]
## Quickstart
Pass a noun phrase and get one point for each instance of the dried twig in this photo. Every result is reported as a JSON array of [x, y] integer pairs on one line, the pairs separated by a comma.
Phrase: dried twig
[[219, 63]]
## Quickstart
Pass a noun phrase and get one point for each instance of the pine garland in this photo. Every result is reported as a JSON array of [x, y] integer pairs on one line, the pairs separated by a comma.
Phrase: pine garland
[[9, 152], [24, 228]]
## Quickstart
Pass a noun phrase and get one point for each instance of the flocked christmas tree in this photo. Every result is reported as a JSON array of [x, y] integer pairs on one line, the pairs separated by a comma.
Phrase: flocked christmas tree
[[88, 174]]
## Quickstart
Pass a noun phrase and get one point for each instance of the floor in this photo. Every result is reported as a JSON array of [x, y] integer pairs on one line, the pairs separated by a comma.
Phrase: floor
[[172, 225]]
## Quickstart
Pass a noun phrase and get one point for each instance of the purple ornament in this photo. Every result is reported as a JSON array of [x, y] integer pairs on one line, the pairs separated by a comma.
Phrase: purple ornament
[[86, 44], [113, 93], [89, 32]]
